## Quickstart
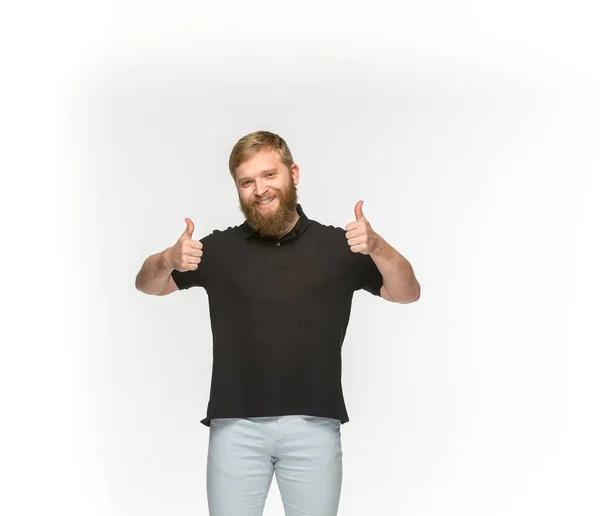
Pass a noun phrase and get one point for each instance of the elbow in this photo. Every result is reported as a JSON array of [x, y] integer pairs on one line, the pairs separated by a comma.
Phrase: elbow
[[413, 297], [139, 286], [417, 294]]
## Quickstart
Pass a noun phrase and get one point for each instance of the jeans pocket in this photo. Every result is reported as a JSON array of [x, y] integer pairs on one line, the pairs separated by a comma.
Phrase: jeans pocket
[[327, 420]]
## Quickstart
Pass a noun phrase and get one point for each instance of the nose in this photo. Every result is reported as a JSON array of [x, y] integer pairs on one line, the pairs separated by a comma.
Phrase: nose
[[260, 189]]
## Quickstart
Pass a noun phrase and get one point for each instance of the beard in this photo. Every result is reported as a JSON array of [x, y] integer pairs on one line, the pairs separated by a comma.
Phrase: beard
[[272, 222]]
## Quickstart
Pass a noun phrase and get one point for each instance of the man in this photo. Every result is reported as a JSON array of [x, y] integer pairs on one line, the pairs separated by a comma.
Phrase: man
[[280, 289]]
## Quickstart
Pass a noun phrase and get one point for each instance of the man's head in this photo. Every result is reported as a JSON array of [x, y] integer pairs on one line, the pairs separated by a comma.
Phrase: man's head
[[263, 169]]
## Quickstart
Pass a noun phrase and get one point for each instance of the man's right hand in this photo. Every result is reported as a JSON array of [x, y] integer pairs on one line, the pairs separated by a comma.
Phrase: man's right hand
[[186, 254]]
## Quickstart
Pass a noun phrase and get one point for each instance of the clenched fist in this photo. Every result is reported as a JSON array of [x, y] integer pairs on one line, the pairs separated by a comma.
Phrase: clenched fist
[[186, 254]]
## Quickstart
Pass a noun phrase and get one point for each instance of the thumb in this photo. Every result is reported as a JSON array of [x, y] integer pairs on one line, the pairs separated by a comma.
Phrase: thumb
[[358, 211], [188, 230]]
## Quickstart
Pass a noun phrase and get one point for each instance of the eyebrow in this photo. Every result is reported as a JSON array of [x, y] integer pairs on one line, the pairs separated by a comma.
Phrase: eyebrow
[[262, 172]]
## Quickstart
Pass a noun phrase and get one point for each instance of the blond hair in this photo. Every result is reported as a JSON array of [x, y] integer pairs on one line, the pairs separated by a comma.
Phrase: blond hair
[[253, 143]]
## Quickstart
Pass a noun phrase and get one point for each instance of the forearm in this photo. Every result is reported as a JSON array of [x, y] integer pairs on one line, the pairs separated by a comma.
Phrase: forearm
[[398, 276], [153, 277]]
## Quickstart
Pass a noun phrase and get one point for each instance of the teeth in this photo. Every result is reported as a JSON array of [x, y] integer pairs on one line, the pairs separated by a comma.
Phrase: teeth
[[267, 201]]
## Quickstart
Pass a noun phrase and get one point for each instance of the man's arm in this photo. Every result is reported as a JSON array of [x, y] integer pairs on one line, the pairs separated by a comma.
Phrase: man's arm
[[399, 282], [154, 277]]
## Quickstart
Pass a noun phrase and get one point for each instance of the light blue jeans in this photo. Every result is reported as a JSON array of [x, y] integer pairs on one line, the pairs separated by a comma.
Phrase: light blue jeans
[[304, 452]]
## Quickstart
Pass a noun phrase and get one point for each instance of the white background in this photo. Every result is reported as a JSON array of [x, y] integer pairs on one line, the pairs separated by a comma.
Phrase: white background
[[471, 132]]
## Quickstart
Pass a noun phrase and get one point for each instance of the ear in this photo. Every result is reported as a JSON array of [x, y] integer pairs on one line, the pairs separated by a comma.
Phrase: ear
[[295, 173]]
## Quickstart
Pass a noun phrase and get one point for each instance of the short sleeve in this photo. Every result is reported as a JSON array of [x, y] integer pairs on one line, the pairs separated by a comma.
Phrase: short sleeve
[[198, 277], [187, 279], [369, 277]]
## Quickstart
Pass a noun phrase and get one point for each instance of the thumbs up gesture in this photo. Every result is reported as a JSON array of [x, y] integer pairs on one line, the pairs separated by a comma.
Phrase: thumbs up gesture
[[186, 254], [361, 237]]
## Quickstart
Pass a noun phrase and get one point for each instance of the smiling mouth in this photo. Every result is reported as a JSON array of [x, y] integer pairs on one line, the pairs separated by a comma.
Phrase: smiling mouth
[[266, 202]]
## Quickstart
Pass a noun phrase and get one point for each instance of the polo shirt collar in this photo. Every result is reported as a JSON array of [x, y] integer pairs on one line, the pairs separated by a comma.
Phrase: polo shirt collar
[[301, 225]]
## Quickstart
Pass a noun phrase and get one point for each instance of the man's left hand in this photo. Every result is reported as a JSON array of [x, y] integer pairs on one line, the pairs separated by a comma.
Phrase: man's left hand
[[360, 235]]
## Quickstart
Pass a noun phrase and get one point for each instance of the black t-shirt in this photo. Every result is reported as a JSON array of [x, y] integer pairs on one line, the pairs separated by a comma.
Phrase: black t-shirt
[[279, 309]]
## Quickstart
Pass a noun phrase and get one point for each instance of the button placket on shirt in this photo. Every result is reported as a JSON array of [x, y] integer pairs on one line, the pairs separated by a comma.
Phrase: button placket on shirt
[[276, 260]]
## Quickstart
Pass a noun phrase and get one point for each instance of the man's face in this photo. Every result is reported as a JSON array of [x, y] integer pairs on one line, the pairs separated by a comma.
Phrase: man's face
[[265, 178]]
